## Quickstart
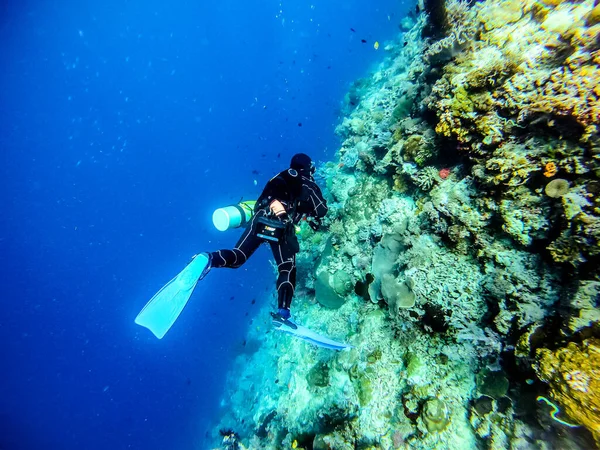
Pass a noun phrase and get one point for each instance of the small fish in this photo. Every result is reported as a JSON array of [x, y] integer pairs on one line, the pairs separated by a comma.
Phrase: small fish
[[255, 172], [353, 30], [253, 301], [279, 155], [299, 124], [364, 41], [376, 45], [231, 298]]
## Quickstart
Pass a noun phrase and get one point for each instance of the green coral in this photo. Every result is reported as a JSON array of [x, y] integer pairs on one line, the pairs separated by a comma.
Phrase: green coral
[[435, 415], [414, 364], [374, 356], [365, 387]]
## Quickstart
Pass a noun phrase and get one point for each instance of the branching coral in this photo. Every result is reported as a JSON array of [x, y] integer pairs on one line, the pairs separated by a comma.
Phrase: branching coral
[[427, 177]]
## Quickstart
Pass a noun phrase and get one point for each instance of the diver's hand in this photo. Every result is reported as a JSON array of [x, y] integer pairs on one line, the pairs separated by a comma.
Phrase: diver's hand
[[315, 224]]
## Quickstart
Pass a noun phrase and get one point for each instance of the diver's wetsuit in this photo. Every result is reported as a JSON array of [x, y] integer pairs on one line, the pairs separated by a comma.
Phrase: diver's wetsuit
[[300, 196]]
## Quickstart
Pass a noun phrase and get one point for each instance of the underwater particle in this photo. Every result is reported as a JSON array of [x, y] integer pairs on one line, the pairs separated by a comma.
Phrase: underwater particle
[[435, 415], [550, 169], [557, 188]]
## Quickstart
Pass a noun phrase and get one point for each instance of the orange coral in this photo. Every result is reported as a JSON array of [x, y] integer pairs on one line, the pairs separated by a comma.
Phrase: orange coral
[[550, 169]]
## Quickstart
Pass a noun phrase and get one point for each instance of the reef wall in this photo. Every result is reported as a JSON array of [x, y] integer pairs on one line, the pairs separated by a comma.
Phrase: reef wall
[[461, 253]]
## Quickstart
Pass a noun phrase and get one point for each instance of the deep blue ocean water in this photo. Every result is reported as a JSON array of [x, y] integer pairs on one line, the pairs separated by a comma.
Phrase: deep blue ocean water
[[123, 125]]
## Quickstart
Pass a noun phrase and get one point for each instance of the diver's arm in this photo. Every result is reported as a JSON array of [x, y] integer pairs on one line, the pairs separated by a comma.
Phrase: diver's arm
[[316, 200]]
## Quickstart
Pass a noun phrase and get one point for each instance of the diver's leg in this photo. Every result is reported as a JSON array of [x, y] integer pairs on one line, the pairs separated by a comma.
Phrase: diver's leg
[[285, 258], [245, 247]]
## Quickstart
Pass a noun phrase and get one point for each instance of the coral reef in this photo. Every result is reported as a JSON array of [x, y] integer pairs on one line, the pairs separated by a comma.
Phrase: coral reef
[[461, 253], [573, 375], [529, 77]]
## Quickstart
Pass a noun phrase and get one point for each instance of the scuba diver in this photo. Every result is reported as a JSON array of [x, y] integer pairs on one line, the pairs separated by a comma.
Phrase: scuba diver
[[288, 197]]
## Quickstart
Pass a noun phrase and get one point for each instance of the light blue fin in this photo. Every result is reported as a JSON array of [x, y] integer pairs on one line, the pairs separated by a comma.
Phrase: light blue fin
[[161, 312], [308, 335]]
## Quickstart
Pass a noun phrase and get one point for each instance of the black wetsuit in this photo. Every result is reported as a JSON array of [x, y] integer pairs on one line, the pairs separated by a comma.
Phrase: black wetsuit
[[300, 196]]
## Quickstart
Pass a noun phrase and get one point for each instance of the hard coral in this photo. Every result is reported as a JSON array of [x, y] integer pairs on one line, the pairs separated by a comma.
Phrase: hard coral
[[550, 169], [573, 376], [557, 188], [435, 415], [570, 92]]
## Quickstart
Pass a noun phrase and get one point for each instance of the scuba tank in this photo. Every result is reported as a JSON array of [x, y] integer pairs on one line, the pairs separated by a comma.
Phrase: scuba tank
[[233, 216]]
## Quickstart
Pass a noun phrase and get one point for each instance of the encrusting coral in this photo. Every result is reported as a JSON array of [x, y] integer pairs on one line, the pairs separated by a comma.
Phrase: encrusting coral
[[573, 377]]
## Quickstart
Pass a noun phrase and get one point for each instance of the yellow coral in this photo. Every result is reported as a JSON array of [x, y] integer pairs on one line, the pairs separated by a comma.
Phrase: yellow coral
[[593, 17], [550, 169], [573, 375]]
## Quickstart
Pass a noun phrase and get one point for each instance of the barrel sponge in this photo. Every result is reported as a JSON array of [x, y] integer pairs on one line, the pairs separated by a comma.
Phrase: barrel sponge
[[396, 294], [557, 188], [342, 283], [325, 292]]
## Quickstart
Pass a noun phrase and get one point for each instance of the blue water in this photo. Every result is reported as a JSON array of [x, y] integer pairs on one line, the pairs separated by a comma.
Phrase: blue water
[[124, 124]]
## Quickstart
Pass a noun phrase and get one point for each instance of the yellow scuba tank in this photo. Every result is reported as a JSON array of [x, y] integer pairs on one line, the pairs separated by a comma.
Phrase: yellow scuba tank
[[233, 216]]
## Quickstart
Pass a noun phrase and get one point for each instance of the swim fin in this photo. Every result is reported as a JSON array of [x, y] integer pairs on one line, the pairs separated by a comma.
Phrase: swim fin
[[161, 312], [287, 326]]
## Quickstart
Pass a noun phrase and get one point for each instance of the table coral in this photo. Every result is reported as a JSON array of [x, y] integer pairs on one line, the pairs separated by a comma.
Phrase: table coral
[[573, 376]]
